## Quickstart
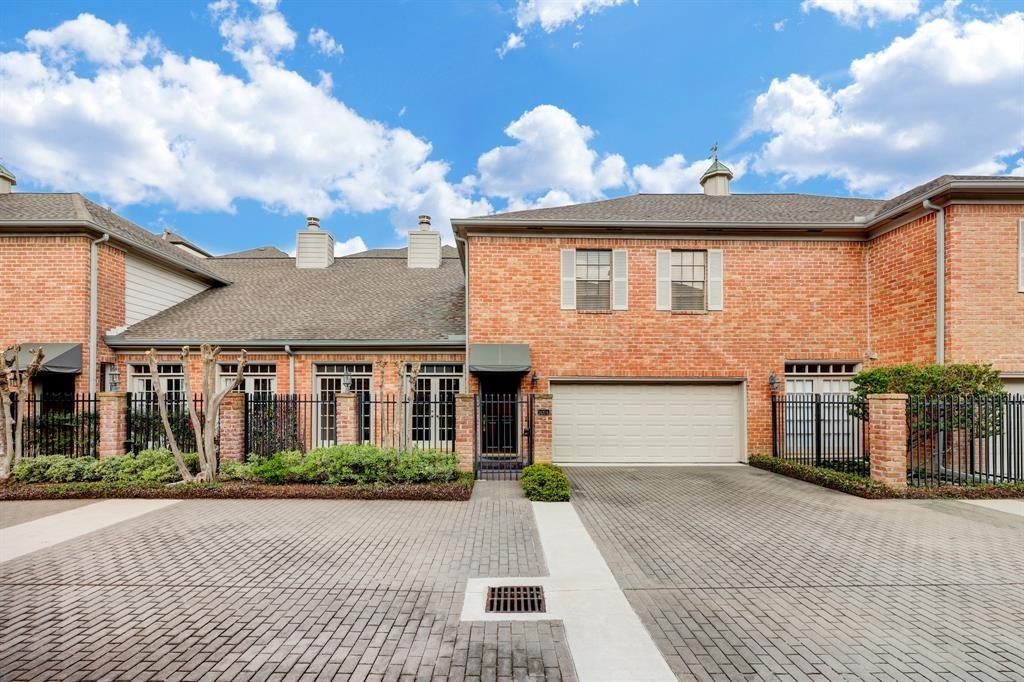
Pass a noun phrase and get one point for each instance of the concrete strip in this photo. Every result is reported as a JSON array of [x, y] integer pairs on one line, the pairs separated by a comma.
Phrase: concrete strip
[[1015, 507], [31, 536], [607, 641]]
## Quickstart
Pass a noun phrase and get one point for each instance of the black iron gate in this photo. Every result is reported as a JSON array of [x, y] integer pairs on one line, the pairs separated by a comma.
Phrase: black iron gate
[[503, 442]]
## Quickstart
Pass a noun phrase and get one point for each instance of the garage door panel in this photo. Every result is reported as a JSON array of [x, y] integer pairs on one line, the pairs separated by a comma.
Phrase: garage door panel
[[649, 423]]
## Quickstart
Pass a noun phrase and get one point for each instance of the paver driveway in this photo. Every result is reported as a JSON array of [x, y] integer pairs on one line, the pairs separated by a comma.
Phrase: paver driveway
[[278, 589], [737, 572]]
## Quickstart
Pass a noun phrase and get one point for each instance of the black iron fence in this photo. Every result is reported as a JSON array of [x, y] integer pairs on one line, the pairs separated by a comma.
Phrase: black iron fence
[[65, 424], [504, 435], [426, 421], [146, 428], [821, 429], [274, 423], [963, 439]]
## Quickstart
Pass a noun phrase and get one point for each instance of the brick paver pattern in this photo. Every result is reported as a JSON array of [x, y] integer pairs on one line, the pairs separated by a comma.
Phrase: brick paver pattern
[[742, 574], [279, 590]]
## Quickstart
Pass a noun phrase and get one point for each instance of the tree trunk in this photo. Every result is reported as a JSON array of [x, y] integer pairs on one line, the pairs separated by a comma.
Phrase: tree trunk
[[161, 400]]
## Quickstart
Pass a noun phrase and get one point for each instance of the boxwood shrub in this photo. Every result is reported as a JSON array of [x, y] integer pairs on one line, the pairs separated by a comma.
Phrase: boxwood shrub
[[148, 466], [346, 465], [545, 483]]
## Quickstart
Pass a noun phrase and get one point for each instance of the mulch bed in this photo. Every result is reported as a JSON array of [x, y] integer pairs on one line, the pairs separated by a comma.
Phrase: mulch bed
[[863, 487], [459, 490]]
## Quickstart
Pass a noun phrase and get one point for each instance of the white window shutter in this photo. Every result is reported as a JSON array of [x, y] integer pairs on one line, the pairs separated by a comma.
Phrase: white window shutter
[[1020, 257], [568, 279], [716, 276], [620, 279], [664, 280]]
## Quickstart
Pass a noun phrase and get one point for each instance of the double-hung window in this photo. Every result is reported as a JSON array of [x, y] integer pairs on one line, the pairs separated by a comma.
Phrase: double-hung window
[[593, 279], [689, 280]]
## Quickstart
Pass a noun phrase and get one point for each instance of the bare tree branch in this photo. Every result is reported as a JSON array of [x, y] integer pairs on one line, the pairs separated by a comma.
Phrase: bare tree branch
[[161, 399]]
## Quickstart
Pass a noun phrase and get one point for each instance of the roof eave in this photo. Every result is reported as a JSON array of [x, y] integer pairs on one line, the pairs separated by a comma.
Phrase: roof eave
[[462, 225], [999, 187], [99, 229], [119, 342]]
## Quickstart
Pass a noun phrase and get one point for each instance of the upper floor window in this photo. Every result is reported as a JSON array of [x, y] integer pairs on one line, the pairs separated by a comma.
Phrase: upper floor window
[[689, 280], [593, 279]]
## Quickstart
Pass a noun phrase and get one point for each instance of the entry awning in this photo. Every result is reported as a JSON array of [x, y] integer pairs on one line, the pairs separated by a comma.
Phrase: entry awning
[[499, 357], [58, 358]]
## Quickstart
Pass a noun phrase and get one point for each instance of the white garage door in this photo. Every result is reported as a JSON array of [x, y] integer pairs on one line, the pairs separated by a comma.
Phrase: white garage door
[[647, 423], [1014, 385]]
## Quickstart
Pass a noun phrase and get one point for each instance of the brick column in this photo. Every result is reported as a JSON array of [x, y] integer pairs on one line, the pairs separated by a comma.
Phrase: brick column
[[232, 427], [465, 436], [346, 422], [887, 428], [542, 428], [113, 424]]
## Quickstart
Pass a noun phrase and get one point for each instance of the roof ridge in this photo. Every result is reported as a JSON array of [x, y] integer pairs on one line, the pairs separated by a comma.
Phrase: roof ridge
[[81, 210]]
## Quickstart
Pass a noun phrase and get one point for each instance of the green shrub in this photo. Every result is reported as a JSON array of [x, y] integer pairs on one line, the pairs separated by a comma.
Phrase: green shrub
[[347, 465], [929, 380], [149, 466], [852, 483], [545, 483]]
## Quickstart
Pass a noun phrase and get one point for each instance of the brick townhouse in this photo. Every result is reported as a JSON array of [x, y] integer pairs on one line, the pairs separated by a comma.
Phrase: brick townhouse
[[646, 329]]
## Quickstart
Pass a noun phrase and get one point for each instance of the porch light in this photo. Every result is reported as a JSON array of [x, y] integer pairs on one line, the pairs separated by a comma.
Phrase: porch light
[[533, 379], [773, 382], [346, 381]]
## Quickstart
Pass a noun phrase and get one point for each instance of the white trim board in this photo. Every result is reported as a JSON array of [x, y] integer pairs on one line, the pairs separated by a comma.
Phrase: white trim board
[[607, 641]]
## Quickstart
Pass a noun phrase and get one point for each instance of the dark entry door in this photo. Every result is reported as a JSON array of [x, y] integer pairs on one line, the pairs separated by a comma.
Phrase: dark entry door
[[499, 415]]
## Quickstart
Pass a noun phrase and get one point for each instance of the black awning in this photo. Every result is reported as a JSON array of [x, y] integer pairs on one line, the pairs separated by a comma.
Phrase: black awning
[[58, 358], [499, 357]]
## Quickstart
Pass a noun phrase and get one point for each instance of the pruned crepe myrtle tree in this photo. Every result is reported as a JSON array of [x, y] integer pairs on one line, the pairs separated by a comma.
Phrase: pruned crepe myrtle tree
[[14, 380], [206, 427]]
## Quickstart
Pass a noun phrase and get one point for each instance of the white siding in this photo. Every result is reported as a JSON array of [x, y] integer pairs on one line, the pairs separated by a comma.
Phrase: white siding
[[150, 288], [424, 249], [314, 249]]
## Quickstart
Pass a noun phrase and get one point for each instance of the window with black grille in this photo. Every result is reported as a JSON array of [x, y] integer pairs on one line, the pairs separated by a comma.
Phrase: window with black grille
[[689, 275], [593, 279]]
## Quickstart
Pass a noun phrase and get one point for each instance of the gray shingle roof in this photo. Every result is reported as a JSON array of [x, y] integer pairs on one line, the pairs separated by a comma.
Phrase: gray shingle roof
[[357, 298], [922, 191], [258, 252], [26, 208], [178, 240], [788, 209]]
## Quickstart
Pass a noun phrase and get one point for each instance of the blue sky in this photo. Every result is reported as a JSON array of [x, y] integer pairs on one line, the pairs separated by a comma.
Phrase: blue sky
[[230, 121]]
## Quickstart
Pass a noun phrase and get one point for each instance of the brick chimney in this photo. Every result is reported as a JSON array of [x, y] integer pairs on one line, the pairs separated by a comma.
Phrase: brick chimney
[[424, 246], [314, 248]]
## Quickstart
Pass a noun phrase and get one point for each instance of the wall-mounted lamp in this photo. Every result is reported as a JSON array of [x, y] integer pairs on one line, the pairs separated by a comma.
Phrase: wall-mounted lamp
[[533, 379], [773, 382], [346, 382]]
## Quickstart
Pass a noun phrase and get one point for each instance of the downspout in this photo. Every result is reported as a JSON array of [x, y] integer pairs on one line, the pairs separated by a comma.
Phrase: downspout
[[94, 306], [291, 369], [465, 365], [940, 280]]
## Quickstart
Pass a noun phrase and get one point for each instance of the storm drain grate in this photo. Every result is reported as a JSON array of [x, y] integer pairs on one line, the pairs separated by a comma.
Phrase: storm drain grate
[[515, 599]]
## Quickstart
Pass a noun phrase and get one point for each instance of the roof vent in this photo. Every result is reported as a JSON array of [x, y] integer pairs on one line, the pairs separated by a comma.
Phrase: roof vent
[[314, 248], [715, 180], [424, 246]]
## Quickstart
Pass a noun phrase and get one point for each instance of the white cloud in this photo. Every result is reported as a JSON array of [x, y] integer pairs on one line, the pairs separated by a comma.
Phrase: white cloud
[[514, 41], [253, 38], [674, 175], [946, 99], [552, 15], [349, 246], [780, 25], [551, 153], [181, 130], [870, 12], [324, 43], [94, 39]]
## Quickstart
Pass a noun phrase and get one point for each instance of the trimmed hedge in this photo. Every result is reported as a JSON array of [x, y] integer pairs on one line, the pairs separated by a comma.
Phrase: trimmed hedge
[[545, 483], [459, 489], [929, 380], [863, 486], [346, 465], [148, 466]]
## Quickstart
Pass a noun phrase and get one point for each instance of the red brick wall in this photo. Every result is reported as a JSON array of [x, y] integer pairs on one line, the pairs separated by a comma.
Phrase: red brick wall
[[901, 294], [783, 300], [45, 290], [984, 309]]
